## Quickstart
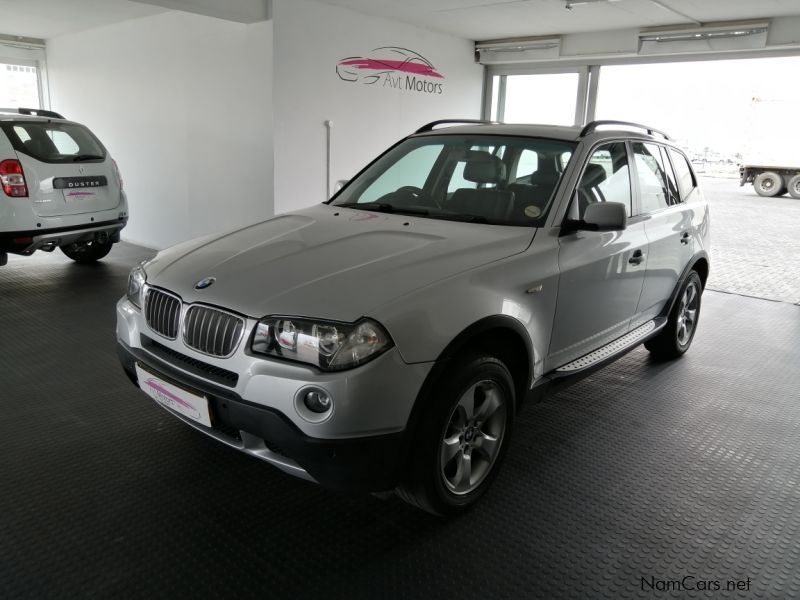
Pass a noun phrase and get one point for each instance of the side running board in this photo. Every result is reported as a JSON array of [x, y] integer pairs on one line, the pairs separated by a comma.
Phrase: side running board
[[618, 346]]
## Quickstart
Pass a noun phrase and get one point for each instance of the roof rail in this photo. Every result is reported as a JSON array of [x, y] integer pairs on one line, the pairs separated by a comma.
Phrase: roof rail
[[36, 112], [591, 126], [432, 124]]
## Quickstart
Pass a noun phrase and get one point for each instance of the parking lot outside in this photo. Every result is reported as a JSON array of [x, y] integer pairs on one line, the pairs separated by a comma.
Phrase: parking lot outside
[[755, 247]]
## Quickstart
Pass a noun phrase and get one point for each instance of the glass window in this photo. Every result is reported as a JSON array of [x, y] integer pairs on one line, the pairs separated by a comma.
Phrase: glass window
[[457, 180], [653, 193], [462, 177], [683, 171], [672, 186], [411, 170], [19, 86], [547, 98], [527, 163], [53, 142], [606, 178]]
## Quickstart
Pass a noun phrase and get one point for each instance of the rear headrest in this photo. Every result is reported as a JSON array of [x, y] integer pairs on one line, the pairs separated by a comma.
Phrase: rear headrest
[[483, 167], [593, 176]]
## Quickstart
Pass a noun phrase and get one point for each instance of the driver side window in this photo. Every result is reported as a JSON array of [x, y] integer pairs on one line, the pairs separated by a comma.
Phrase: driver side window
[[606, 178], [411, 170]]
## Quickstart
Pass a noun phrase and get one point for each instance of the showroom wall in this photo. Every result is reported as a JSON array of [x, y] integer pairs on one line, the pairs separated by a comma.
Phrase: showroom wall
[[184, 104], [368, 114]]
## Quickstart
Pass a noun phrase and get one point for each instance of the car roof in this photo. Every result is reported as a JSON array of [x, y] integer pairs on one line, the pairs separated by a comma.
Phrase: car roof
[[543, 131], [12, 114], [556, 132]]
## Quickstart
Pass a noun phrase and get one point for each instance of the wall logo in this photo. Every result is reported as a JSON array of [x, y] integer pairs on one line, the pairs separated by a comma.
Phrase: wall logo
[[392, 67]]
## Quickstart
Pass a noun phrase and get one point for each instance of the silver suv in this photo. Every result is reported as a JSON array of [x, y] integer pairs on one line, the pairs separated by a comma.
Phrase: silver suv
[[387, 338], [60, 188]]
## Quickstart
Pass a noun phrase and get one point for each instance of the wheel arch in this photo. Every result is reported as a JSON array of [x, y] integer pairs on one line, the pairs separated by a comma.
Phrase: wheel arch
[[501, 336], [700, 264]]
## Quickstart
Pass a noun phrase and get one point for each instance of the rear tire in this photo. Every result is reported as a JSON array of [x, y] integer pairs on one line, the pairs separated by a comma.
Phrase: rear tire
[[768, 184], [677, 335], [87, 252], [462, 437], [794, 187]]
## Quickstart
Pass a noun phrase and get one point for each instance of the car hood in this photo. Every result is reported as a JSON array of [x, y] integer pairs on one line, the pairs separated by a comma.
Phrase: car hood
[[329, 262]]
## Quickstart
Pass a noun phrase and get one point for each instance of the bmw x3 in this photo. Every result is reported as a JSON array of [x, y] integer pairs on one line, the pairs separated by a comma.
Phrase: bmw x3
[[386, 339]]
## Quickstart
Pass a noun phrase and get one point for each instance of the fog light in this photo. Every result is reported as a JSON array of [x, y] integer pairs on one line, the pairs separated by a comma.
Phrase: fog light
[[317, 401]]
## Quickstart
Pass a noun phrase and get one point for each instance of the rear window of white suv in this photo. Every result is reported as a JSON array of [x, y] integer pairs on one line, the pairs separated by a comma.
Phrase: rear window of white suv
[[53, 142]]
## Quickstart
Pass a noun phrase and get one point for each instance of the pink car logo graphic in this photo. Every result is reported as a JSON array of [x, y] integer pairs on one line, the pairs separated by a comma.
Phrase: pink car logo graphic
[[385, 61]]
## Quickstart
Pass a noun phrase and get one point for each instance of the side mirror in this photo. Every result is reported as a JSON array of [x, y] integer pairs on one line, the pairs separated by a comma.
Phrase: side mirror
[[605, 216], [340, 184]]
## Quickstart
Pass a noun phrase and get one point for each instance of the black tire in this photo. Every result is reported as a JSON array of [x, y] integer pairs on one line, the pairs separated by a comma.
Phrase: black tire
[[478, 448], [769, 184], [673, 340], [87, 252], [794, 187]]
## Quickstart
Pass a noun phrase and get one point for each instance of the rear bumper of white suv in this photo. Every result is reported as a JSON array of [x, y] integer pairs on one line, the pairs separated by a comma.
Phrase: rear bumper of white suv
[[27, 242]]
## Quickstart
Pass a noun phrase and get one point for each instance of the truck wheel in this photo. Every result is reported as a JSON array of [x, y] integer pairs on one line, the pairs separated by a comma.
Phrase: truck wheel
[[794, 187], [768, 184]]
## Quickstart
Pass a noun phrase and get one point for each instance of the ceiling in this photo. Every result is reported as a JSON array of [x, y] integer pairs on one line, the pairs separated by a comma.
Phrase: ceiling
[[490, 19], [50, 18], [471, 19]]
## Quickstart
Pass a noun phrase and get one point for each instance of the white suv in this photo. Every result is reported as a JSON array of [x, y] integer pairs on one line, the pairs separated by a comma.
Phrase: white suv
[[60, 188], [387, 338]]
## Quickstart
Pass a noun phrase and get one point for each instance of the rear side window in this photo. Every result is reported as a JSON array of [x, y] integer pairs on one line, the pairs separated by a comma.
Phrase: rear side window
[[652, 182], [683, 172], [54, 142]]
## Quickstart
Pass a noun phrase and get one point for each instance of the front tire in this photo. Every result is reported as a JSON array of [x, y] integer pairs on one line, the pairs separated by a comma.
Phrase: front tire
[[677, 335], [769, 184], [462, 438], [87, 252]]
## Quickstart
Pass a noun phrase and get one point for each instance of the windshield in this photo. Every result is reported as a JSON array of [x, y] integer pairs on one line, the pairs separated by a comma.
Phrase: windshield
[[486, 179], [54, 142]]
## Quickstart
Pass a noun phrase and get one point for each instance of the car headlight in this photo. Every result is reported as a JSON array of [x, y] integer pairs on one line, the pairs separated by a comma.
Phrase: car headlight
[[327, 345], [136, 281]]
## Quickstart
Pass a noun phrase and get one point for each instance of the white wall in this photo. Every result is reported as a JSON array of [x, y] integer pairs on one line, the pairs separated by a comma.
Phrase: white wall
[[310, 39], [184, 104]]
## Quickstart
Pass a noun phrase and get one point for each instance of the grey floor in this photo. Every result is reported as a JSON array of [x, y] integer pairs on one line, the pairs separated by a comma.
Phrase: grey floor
[[639, 476]]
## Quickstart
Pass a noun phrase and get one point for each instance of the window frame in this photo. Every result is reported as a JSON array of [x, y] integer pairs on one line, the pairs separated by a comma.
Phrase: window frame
[[670, 150], [28, 53], [632, 180], [638, 187]]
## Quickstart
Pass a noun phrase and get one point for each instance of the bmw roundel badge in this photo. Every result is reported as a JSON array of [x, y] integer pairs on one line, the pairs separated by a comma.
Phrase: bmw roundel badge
[[204, 283]]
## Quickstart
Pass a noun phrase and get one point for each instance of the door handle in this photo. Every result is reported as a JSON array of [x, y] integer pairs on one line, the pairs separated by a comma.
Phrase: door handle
[[636, 258], [685, 237]]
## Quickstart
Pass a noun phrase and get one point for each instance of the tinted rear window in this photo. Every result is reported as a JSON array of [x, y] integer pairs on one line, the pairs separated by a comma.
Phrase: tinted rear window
[[54, 142]]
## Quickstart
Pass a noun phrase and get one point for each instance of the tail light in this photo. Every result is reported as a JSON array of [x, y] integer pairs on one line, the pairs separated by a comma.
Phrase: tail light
[[12, 179], [117, 173]]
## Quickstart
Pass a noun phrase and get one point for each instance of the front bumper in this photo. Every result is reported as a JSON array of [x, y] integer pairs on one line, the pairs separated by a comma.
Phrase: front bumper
[[370, 463], [360, 446]]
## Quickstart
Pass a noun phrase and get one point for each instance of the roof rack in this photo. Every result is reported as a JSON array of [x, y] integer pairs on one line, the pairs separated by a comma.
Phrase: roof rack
[[432, 124], [35, 112], [590, 127]]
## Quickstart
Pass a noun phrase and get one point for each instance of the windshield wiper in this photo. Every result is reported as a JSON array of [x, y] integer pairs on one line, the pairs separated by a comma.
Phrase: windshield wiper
[[80, 157], [464, 217], [385, 207]]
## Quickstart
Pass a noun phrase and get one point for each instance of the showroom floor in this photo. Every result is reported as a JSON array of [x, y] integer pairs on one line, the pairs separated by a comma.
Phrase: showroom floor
[[654, 471]]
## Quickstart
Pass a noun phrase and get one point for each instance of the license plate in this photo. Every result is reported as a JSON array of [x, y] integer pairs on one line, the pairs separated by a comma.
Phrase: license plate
[[178, 399]]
